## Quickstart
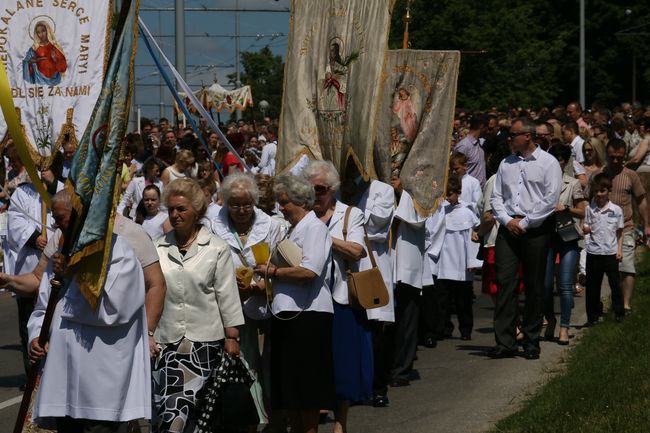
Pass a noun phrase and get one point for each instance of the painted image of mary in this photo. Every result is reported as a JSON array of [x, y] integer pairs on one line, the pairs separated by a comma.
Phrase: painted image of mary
[[44, 62]]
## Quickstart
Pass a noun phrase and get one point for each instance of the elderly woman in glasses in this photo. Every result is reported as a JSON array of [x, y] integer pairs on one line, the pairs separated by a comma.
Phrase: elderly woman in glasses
[[352, 343], [243, 226], [302, 371]]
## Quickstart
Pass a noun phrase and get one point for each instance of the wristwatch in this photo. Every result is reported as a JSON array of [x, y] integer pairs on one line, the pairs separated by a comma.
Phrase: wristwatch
[[150, 333], [233, 338]]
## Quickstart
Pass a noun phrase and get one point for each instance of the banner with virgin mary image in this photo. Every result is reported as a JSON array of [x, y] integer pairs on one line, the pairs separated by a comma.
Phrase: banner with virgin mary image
[[55, 53], [334, 62], [413, 140]]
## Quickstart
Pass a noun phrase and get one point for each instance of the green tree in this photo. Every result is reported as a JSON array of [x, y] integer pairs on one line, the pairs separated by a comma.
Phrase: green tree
[[264, 72], [532, 56]]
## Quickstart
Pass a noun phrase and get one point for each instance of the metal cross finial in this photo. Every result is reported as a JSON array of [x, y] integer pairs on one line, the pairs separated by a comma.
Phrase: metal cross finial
[[407, 20]]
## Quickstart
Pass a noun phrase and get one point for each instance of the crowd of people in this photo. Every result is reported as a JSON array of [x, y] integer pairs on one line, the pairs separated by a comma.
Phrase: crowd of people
[[214, 261]]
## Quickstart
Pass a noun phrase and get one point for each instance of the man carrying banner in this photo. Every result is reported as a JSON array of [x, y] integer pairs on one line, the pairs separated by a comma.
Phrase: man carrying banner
[[97, 375]]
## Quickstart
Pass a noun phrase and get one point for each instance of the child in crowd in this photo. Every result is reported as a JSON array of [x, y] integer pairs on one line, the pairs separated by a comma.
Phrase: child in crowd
[[471, 186], [604, 223], [456, 261]]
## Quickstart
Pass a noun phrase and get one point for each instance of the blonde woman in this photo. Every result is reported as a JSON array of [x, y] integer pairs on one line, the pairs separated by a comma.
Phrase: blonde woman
[[202, 309], [179, 170]]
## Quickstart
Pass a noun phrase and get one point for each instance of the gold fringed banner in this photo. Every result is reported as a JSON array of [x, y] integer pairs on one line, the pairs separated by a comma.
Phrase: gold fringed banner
[[413, 140], [334, 59]]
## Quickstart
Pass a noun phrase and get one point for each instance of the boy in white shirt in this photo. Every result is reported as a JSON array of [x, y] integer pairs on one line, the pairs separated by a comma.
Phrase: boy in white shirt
[[472, 191], [604, 222], [456, 260]]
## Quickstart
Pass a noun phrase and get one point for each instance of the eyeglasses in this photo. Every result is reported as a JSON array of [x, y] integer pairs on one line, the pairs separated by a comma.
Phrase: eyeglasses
[[237, 208], [321, 189], [517, 134]]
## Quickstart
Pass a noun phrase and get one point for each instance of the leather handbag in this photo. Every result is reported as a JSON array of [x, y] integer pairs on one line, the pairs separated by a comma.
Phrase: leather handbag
[[366, 289], [566, 227], [286, 254]]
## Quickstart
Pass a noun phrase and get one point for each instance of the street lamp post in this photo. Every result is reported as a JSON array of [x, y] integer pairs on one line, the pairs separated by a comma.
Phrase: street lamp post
[[582, 55]]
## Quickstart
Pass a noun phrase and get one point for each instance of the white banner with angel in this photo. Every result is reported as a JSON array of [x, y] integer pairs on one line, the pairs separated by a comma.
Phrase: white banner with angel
[[55, 53]]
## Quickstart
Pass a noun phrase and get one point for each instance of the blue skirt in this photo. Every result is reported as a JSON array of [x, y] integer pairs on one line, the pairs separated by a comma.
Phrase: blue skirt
[[353, 357]]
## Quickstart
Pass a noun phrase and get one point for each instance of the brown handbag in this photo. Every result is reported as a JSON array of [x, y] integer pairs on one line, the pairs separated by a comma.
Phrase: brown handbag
[[366, 289]]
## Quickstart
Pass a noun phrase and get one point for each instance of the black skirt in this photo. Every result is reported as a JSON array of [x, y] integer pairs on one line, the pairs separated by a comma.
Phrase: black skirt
[[302, 366]]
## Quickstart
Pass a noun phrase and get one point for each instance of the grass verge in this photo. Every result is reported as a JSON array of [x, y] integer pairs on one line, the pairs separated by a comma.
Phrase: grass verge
[[606, 385]]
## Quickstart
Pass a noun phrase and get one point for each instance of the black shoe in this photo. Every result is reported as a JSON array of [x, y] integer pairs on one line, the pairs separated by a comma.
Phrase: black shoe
[[380, 401], [498, 352], [530, 354], [430, 342], [466, 337], [398, 382], [549, 332]]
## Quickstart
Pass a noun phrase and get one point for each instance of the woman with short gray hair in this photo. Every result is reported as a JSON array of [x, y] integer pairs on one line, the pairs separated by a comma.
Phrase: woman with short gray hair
[[302, 374], [243, 226], [352, 338]]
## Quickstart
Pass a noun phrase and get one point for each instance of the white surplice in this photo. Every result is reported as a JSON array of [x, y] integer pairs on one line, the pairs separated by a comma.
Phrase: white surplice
[[408, 257], [378, 206], [20, 228], [98, 363]]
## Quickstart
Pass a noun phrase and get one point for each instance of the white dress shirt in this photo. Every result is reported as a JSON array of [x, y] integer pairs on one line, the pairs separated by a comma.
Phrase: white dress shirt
[[576, 149], [202, 297], [529, 187], [604, 223], [312, 236]]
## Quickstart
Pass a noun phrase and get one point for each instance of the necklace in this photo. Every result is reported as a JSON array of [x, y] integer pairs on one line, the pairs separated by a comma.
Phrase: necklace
[[189, 241]]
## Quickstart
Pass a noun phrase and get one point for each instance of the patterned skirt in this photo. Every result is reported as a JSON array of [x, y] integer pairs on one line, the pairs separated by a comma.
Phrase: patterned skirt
[[179, 375]]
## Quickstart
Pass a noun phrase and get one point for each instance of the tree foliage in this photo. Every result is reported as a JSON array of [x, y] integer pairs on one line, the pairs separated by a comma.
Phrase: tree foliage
[[532, 48], [263, 71]]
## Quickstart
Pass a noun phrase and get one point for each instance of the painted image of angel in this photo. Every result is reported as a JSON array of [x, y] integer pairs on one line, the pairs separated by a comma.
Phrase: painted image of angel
[[44, 62], [336, 71], [406, 106]]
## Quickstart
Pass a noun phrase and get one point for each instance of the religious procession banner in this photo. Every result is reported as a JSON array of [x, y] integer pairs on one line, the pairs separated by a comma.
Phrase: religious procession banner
[[55, 53], [418, 96], [94, 169], [334, 61], [217, 98]]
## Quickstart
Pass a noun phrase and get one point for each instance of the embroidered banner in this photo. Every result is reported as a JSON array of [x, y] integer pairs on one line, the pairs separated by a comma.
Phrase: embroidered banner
[[418, 96], [94, 169], [334, 60], [55, 53]]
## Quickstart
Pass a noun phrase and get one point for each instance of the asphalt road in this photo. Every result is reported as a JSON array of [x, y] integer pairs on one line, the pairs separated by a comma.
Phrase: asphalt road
[[459, 390]]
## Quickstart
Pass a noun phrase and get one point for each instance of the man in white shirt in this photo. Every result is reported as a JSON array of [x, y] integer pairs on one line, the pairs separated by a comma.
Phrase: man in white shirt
[[570, 132], [526, 191]]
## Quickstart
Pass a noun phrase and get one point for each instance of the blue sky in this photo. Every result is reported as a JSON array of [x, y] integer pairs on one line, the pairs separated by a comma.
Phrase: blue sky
[[205, 56]]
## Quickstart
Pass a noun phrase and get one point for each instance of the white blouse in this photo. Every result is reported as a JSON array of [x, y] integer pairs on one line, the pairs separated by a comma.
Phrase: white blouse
[[312, 236], [355, 234], [265, 229]]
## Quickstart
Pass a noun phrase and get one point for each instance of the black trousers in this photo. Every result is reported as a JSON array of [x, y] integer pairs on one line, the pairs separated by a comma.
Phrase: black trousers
[[531, 250], [383, 335], [597, 267], [428, 311], [407, 310], [74, 425], [25, 309], [459, 294]]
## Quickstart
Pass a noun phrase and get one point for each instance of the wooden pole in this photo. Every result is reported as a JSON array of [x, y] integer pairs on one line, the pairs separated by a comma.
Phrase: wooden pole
[[407, 20]]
